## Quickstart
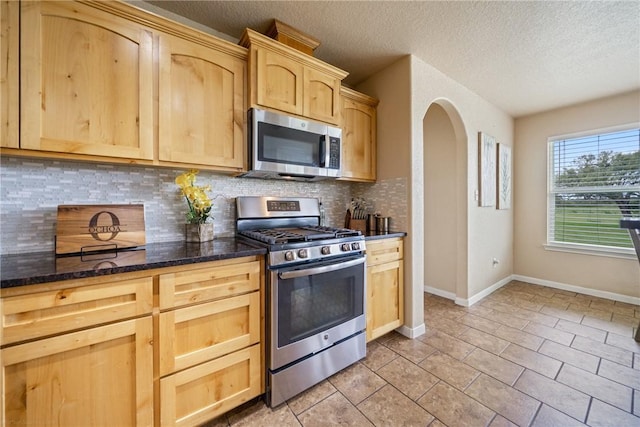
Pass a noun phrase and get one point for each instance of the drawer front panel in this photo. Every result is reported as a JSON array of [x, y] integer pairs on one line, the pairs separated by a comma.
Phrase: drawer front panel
[[202, 332], [46, 313], [218, 280], [198, 394], [386, 250]]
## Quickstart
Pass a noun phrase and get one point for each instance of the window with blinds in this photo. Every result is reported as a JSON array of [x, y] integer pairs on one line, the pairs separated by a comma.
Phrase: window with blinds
[[594, 181]]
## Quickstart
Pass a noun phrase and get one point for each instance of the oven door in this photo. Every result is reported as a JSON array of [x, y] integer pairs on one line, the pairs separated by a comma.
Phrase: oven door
[[315, 306]]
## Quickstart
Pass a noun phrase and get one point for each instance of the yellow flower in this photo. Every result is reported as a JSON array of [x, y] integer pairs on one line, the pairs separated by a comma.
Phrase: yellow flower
[[197, 199]]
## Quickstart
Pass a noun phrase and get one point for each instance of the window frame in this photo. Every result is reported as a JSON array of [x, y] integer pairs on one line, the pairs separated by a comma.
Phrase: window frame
[[580, 248]]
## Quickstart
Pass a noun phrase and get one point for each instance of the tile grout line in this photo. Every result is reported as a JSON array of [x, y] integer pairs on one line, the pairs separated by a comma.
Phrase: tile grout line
[[586, 416]]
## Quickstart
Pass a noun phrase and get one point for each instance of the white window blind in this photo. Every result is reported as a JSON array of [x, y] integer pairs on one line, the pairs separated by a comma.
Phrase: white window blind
[[594, 181]]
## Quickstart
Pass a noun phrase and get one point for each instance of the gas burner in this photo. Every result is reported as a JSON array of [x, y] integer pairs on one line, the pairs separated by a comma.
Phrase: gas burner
[[273, 236], [289, 229], [280, 236], [335, 232]]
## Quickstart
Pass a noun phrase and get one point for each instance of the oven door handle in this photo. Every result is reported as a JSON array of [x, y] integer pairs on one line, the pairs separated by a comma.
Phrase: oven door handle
[[318, 270]]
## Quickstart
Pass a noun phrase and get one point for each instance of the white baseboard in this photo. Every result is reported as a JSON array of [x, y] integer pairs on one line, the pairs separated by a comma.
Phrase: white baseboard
[[474, 299], [412, 332], [477, 297], [557, 285], [578, 289], [440, 293]]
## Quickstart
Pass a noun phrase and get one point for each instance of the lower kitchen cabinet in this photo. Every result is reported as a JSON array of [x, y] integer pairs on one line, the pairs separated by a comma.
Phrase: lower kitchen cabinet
[[102, 376], [210, 329], [172, 346], [78, 352], [198, 394], [385, 286]]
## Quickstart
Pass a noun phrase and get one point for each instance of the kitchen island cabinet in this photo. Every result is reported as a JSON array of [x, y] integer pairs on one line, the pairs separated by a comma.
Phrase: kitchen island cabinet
[[385, 286], [284, 79], [359, 146]]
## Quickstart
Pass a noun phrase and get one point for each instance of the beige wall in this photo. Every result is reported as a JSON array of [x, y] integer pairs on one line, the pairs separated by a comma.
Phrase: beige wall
[[392, 86], [406, 91], [440, 207], [600, 273], [489, 232]]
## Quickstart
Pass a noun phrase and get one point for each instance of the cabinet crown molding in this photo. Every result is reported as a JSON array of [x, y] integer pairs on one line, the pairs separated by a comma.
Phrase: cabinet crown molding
[[359, 96], [251, 38]]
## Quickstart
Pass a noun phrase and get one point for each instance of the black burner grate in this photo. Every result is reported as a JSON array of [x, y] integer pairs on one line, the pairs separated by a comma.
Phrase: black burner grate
[[274, 236]]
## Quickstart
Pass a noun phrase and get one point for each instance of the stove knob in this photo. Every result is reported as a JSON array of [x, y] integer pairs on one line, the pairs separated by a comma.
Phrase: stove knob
[[355, 246], [289, 256], [325, 250], [345, 247], [302, 253]]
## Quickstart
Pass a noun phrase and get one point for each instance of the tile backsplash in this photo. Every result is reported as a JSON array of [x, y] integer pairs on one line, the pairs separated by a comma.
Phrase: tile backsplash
[[32, 189]]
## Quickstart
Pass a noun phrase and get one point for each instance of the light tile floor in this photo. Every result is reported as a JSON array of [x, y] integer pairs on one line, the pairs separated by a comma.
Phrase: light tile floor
[[526, 355]]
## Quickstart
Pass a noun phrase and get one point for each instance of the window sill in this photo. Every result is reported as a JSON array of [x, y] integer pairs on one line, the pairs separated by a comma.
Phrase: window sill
[[577, 248]]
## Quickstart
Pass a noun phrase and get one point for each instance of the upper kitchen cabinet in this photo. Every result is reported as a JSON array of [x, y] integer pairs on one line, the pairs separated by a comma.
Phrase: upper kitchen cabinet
[[358, 136], [285, 79], [86, 82], [202, 103], [9, 89]]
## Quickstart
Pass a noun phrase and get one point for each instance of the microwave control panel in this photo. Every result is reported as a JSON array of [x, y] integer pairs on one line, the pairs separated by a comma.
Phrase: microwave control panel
[[334, 153]]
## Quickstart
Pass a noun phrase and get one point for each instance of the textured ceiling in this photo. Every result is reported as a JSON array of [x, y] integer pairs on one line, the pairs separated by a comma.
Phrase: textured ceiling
[[522, 56]]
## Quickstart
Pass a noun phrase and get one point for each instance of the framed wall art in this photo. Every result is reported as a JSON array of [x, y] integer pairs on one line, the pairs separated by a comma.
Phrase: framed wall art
[[486, 169], [504, 177]]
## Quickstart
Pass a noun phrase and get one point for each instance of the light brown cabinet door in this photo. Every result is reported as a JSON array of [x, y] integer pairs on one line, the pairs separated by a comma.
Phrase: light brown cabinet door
[[97, 377], [358, 141], [321, 96], [202, 105], [196, 395], [279, 82], [385, 287], [9, 86], [86, 82], [202, 332]]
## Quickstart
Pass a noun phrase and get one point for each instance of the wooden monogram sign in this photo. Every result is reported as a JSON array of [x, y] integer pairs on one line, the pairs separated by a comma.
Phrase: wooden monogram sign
[[90, 228]]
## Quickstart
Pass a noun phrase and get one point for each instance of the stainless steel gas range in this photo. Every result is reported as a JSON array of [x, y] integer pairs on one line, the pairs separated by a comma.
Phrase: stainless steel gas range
[[315, 292]]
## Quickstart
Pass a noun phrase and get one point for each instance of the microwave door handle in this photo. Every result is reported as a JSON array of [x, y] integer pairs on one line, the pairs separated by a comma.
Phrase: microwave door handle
[[318, 270], [324, 153]]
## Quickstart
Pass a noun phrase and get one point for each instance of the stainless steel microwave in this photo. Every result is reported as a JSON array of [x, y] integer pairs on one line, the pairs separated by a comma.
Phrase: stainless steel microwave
[[285, 147]]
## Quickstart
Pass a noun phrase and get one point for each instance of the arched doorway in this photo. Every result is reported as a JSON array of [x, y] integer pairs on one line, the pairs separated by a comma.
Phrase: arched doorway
[[445, 201]]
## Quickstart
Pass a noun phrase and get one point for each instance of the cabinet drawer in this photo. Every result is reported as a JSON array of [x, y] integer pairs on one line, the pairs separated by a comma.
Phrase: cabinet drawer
[[196, 395], [51, 312], [385, 250], [202, 332], [216, 280]]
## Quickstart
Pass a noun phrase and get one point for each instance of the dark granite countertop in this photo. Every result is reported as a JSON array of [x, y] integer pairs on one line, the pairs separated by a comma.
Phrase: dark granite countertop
[[43, 267], [373, 235]]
